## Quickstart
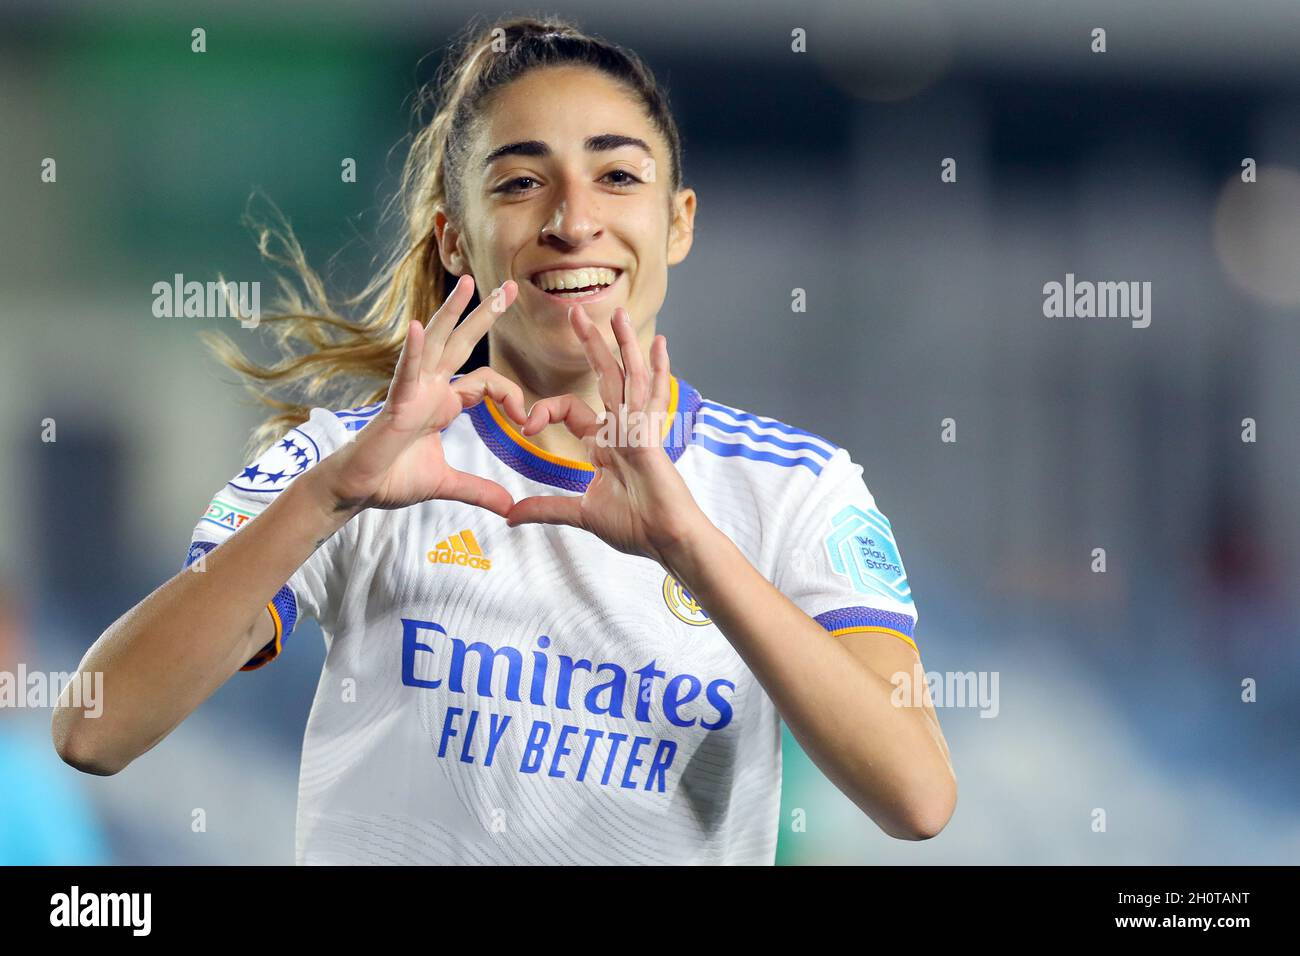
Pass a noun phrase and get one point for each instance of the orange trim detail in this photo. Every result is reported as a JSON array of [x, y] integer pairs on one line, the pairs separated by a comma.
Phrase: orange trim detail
[[876, 630], [279, 636], [508, 427]]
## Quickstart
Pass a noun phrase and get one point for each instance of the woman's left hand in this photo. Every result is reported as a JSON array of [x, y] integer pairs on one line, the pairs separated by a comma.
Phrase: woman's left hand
[[637, 500]]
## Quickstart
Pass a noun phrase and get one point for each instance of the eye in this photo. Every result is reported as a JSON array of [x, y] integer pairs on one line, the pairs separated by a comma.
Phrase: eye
[[628, 179], [513, 185]]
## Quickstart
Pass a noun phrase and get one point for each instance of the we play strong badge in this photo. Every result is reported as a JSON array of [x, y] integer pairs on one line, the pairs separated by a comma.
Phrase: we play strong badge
[[862, 548]]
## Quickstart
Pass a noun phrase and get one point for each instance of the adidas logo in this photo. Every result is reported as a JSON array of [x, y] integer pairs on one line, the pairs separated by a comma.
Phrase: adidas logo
[[460, 549]]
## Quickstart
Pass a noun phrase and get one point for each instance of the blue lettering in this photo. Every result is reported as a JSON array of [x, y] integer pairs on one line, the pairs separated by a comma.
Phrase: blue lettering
[[535, 748], [714, 694], [672, 701], [617, 688], [486, 658], [465, 755], [609, 764], [567, 666], [410, 645], [632, 762], [663, 758], [537, 693], [448, 731], [647, 675], [592, 736], [560, 751], [496, 729]]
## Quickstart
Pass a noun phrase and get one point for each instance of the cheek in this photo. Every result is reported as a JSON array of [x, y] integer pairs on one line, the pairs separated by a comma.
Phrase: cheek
[[492, 241], [650, 226], [497, 241]]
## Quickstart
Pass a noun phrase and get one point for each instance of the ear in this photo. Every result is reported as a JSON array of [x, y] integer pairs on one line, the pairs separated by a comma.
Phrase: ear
[[451, 246], [681, 231]]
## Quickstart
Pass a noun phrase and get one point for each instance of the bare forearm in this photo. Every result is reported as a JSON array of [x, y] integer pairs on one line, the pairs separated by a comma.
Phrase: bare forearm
[[886, 758], [165, 656]]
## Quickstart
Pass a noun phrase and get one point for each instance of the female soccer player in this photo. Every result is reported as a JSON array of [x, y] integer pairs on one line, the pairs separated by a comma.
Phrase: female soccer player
[[550, 638]]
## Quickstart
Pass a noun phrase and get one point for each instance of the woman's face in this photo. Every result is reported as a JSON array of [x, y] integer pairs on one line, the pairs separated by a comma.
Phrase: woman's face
[[566, 171]]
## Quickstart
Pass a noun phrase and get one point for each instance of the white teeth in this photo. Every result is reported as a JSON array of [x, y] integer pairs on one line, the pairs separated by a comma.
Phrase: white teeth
[[557, 280]]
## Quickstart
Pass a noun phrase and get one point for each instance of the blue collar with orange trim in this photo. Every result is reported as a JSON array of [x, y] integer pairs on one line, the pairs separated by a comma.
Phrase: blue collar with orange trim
[[516, 451]]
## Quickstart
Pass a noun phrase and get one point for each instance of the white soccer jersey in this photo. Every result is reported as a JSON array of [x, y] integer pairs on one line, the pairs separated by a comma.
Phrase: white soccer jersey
[[531, 695]]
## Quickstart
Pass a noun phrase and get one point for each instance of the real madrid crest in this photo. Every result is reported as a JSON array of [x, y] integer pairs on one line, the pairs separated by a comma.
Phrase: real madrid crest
[[683, 604]]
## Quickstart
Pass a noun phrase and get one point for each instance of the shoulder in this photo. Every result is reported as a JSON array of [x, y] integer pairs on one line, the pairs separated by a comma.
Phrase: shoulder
[[332, 428], [355, 419], [301, 447], [760, 445]]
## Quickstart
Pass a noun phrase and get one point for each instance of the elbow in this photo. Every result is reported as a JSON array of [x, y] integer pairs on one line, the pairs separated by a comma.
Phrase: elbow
[[929, 815], [926, 815], [927, 825], [78, 749]]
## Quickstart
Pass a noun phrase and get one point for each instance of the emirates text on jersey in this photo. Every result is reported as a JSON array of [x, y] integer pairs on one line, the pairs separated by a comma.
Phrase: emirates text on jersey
[[625, 760]]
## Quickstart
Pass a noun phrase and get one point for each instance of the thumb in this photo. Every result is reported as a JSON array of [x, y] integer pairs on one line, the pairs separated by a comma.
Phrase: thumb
[[473, 490], [547, 509]]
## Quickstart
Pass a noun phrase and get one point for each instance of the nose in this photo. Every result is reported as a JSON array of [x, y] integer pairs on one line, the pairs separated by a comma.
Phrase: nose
[[575, 218]]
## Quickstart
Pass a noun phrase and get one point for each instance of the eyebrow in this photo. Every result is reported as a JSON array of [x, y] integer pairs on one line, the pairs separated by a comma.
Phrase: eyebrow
[[594, 144]]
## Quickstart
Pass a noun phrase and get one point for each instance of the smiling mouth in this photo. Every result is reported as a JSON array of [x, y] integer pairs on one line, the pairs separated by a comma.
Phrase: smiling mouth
[[575, 284]]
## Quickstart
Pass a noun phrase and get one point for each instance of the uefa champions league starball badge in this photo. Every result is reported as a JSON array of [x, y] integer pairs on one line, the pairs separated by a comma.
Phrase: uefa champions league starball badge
[[280, 464]]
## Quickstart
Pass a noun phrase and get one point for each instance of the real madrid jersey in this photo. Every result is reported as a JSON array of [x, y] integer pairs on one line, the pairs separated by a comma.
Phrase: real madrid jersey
[[530, 695]]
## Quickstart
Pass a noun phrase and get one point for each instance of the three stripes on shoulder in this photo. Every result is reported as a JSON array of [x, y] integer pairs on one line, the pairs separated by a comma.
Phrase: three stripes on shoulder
[[729, 432]]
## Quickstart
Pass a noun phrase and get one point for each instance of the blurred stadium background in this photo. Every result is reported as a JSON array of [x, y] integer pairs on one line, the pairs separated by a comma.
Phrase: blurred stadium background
[[820, 171]]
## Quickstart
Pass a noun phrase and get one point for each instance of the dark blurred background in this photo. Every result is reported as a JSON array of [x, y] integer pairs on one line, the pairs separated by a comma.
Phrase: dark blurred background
[[821, 171]]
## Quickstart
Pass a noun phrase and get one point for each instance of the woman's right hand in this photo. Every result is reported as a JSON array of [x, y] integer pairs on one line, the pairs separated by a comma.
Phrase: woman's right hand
[[397, 459]]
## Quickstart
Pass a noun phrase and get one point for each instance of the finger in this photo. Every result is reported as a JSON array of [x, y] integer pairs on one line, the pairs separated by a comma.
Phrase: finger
[[462, 341], [661, 387], [406, 375], [444, 320], [481, 381], [576, 415], [547, 509], [636, 380], [609, 376], [473, 490], [441, 323]]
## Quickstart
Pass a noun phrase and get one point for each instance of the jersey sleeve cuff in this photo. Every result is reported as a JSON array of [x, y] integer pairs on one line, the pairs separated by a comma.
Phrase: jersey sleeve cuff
[[868, 620], [284, 612], [283, 609]]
